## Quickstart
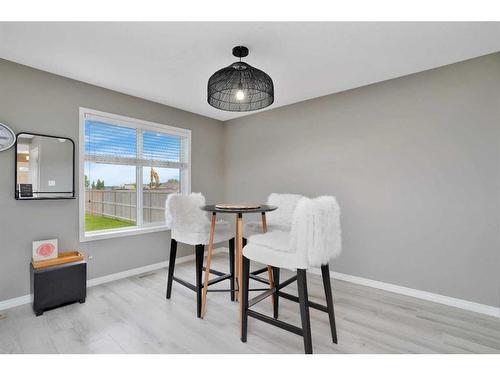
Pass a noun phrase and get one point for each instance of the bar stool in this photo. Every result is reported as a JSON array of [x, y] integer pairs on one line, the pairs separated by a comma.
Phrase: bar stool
[[190, 225], [280, 219], [314, 240]]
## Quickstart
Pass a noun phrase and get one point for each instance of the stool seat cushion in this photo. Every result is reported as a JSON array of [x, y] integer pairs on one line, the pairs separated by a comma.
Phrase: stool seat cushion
[[223, 232], [255, 227], [277, 240], [274, 248], [275, 258]]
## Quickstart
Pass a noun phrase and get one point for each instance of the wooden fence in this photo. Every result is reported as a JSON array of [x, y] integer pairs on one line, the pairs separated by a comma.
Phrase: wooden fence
[[121, 204]]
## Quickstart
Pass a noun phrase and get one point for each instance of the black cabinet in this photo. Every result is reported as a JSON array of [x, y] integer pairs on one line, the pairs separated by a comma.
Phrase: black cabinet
[[58, 285]]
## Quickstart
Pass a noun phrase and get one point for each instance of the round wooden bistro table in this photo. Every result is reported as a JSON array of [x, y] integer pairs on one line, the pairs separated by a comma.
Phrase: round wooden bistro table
[[238, 211]]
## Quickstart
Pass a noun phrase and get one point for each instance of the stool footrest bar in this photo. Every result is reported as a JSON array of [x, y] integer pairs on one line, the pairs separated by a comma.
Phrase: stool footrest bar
[[269, 292], [219, 279], [261, 270], [286, 282], [261, 296], [313, 305], [186, 284], [259, 279], [214, 272], [221, 290], [275, 322]]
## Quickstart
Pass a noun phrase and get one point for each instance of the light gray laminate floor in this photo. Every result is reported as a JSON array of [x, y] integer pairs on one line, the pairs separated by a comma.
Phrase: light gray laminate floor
[[133, 316]]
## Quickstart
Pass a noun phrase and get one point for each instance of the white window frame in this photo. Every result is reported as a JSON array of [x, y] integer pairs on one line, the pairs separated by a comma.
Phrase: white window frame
[[134, 123]]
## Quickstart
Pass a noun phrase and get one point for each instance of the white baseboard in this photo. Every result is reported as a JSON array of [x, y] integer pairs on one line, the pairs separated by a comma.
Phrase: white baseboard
[[420, 294], [132, 272], [140, 270], [13, 302], [427, 296], [18, 301]]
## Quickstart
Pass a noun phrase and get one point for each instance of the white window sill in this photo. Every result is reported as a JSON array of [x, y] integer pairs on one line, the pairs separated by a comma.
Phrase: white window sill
[[102, 235]]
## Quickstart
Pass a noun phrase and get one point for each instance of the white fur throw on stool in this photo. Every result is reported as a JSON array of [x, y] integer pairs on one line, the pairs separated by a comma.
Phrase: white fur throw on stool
[[316, 229], [184, 212]]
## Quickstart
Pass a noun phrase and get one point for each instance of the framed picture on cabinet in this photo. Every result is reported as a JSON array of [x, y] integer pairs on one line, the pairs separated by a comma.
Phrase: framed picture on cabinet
[[45, 249]]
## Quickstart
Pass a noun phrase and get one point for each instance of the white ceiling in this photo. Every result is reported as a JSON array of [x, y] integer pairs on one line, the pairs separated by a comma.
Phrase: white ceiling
[[170, 62]]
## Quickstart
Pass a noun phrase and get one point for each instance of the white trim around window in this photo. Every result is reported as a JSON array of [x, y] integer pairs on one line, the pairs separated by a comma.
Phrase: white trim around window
[[141, 125]]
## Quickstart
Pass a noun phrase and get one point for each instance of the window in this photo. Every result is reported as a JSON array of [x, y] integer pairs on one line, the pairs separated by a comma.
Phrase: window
[[128, 168]]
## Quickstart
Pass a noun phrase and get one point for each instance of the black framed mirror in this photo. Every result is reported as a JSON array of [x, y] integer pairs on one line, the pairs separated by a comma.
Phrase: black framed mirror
[[44, 167]]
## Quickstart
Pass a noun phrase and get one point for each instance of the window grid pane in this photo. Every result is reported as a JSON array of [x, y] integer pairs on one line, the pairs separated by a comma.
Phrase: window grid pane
[[161, 147], [157, 184], [103, 140], [110, 196]]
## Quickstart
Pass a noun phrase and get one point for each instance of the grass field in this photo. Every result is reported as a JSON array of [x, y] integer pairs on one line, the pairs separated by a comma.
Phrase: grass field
[[93, 223]]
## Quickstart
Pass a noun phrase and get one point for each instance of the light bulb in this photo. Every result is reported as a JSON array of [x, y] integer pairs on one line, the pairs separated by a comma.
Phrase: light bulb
[[240, 95]]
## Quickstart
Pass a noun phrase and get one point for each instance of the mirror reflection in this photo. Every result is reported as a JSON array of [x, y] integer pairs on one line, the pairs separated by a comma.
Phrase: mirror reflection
[[44, 167]]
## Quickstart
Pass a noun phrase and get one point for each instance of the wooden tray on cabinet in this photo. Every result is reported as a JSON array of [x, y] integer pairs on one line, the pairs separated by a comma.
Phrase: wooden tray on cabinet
[[64, 257]]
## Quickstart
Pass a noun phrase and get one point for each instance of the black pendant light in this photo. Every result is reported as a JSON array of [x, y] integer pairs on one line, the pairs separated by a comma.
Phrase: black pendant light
[[240, 87]]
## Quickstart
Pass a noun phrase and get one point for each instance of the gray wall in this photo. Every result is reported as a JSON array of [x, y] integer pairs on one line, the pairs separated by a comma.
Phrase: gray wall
[[35, 101], [414, 163]]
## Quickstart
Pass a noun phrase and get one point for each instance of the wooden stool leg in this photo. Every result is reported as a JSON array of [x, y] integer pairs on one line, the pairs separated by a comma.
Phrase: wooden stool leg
[[207, 266], [270, 277], [304, 310], [171, 266], [200, 250], [325, 272]]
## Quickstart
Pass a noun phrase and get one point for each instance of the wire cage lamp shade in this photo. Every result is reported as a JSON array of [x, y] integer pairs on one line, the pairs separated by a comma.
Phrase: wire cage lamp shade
[[240, 87]]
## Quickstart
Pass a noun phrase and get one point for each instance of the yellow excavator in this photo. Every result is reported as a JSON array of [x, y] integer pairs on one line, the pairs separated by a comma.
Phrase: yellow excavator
[[154, 179]]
